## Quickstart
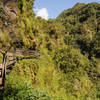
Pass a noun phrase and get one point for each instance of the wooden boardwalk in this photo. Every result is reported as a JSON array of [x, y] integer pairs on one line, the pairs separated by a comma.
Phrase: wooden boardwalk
[[10, 58]]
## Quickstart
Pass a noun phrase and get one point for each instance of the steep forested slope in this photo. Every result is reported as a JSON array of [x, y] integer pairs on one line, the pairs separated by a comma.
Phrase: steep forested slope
[[83, 22], [68, 68], [82, 15]]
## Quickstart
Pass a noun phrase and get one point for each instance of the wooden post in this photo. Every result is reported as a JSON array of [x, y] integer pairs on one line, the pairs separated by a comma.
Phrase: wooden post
[[3, 68]]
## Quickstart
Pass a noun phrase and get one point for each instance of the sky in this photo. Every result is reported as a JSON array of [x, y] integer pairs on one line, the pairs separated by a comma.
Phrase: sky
[[52, 8]]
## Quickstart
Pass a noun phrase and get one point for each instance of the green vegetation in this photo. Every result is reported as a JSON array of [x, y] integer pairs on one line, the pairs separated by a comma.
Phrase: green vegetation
[[69, 65]]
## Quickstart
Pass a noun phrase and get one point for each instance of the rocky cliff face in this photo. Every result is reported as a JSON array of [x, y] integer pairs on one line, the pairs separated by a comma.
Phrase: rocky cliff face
[[8, 18], [12, 14]]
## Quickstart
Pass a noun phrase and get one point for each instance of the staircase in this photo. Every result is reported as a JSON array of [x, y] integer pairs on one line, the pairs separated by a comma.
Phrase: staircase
[[1, 80]]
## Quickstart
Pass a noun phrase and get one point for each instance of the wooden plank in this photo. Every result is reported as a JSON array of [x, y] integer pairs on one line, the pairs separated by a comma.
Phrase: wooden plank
[[1, 88], [0, 73], [0, 81], [0, 66]]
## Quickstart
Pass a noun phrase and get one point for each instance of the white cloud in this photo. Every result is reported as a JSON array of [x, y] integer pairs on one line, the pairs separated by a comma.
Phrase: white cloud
[[42, 12]]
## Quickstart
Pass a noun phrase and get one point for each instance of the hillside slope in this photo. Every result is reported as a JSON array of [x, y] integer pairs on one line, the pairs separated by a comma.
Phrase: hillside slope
[[83, 22], [68, 68]]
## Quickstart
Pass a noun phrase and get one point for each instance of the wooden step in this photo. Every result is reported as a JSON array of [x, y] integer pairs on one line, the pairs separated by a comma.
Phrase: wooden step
[[12, 60], [0, 81], [0, 66], [0, 73], [1, 88]]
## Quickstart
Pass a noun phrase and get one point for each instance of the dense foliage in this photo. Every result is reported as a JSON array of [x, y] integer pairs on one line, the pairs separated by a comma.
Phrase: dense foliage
[[82, 22], [69, 65]]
